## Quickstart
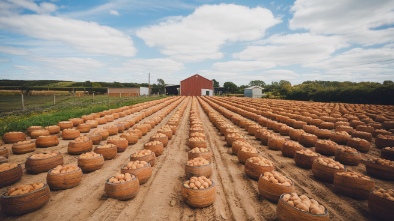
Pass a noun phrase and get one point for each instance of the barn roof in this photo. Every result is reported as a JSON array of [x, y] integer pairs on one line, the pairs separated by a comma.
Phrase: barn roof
[[194, 76]]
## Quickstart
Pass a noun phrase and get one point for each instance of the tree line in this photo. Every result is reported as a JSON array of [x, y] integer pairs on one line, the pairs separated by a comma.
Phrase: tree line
[[323, 91]]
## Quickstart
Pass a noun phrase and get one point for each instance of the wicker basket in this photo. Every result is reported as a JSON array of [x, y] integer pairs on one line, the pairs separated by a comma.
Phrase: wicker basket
[[143, 174], [95, 137], [290, 147], [347, 158], [362, 135], [112, 129], [41, 132], [84, 128], [359, 144], [36, 166], [204, 170], [64, 181], [380, 207], [4, 152], [130, 137], [70, 134], [326, 147], [307, 140], [24, 147], [25, 203], [206, 155], [387, 154], [75, 148], [122, 191], [11, 176], [77, 121], [254, 171], [285, 212], [47, 141], [13, 137], [65, 125], [151, 158], [121, 144], [243, 156], [382, 141], [272, 191], [53, 129], [237, 145], [324, 173], [199, 198], [379, 171], [354, 187], [158, 149], [276, 142], [163, 139], [340, 137], [295, 134], [91, 164], [108, 153], [322, 133]]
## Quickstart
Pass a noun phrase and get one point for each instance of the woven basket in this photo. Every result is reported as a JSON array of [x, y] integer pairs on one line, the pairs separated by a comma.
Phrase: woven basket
[[36, 166], [324, 173], [272, 191], [199, 198], [25, 147], [254, 171], [143, 174], [151, 158], [204, 170], [11, 176], [91, 164], [122, 191], [354, 187], [47, 141], [25, 203], [380, 207], [379, 171], [64, 181]]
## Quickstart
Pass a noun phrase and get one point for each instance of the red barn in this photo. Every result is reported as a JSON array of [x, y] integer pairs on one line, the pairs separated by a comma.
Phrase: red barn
[[196, 85]]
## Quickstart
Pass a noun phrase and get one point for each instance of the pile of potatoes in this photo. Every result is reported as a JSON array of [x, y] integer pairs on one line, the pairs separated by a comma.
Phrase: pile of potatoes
[[196, 128], [23, 189], [387, 194], [199, 150], [198, 183], [136, 164], [330, 163], [347, 149], [159, 135], [64, 169], [142, 153], [7, 166], [43, 155], [354, 174], [24, 142], [106, 145], [81, 139], [382, 162], [386, 148], [235, 135], [248, 149], [304, 203], [307, 152], [277, 178], [260, 161], [89, 155], [197, 139], [121, 178], [198, 161], [152, 143]]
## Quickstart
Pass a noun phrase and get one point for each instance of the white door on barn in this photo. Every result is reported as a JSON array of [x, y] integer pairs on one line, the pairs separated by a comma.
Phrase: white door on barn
[[206, 92]]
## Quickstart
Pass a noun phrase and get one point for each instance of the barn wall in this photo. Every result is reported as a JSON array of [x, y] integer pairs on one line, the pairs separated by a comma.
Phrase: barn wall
[[193, 85]]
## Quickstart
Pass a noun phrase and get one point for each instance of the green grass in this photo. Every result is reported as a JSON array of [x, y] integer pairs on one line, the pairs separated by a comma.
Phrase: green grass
[[68, 109]]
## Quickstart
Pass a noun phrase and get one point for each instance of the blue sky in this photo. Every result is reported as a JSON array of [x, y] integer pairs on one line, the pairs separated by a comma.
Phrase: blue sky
[[238, 41]]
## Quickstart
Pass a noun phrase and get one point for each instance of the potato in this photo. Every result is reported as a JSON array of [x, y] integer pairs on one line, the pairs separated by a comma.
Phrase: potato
[[121, 178], [307, 152], [354, 174], [43, 155], [116, 138], [151, 143], [159, 135], [109, 145], [383, 162], [248, 149], [199, 150], [81, 139], [64, 169], [142, 153], [330, 163], [387, 194], [277, 178], [196, 139], [89, 155], [261, 161], [136, 164]]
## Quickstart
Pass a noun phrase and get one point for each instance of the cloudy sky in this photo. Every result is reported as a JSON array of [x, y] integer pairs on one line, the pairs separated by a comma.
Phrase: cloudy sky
[[238, 40]]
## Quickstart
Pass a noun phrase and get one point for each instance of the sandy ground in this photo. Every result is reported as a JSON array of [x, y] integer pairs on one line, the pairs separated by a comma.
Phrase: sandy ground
[[160, 198]]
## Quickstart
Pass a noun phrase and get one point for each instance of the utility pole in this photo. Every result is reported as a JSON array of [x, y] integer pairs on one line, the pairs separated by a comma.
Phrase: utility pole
[[148, 84]]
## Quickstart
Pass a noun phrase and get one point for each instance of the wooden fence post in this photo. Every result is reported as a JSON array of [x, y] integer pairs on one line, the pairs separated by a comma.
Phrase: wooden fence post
[[23, 102]]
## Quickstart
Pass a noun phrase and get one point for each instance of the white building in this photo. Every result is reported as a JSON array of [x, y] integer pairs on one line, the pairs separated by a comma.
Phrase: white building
[[253, 91]]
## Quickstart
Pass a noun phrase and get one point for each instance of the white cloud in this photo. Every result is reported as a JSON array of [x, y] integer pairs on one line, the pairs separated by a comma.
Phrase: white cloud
[[200, 35], [114, 12], [291, 49], [13, 50], [156, 65], [355, 19], [277, 75], [42, 8], [83, 36], [69, 64], [239, 66]]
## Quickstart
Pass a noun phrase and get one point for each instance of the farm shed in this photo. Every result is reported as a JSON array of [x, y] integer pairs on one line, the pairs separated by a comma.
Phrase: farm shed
[[196, 85], [144, 91], [123, 92], [172, 89], [254, 91]]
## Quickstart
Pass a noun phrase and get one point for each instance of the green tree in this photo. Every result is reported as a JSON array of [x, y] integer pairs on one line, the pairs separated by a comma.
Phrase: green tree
[[230, 87], [257, 83], [388, 82], [161, 86], [215, 83]]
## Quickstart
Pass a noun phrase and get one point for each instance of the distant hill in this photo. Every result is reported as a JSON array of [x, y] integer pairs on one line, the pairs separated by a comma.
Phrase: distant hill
[[62, 84]]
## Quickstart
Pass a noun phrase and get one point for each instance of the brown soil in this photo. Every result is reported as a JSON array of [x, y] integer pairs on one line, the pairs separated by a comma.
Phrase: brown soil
[[160, 198]]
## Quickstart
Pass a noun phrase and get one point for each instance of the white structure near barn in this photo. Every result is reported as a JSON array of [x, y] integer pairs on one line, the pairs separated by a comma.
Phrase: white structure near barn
[[253, 91]]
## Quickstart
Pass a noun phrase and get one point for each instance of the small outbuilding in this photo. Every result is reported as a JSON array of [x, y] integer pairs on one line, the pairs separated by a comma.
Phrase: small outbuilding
[[196, 85], [253, 91]]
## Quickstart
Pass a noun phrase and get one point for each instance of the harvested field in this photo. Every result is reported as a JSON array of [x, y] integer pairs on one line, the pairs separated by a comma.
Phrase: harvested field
[[237, 195]]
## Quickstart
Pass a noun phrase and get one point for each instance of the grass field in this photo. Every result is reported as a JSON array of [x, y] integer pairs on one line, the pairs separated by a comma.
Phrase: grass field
[[39, 110]]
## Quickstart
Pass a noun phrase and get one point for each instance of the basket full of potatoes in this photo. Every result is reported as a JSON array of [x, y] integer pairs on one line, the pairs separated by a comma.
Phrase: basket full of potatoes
[[90, 161], [255, 166], [199, 192], [292, 206], [144, 155], [24, 198], [10, 173], [198, 167], [381, 203], [380, 168], [200, 152], [42, 162], [122, 186], [141, 169], [324, 169], [64, 177], [353, 184], [272, 185]]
